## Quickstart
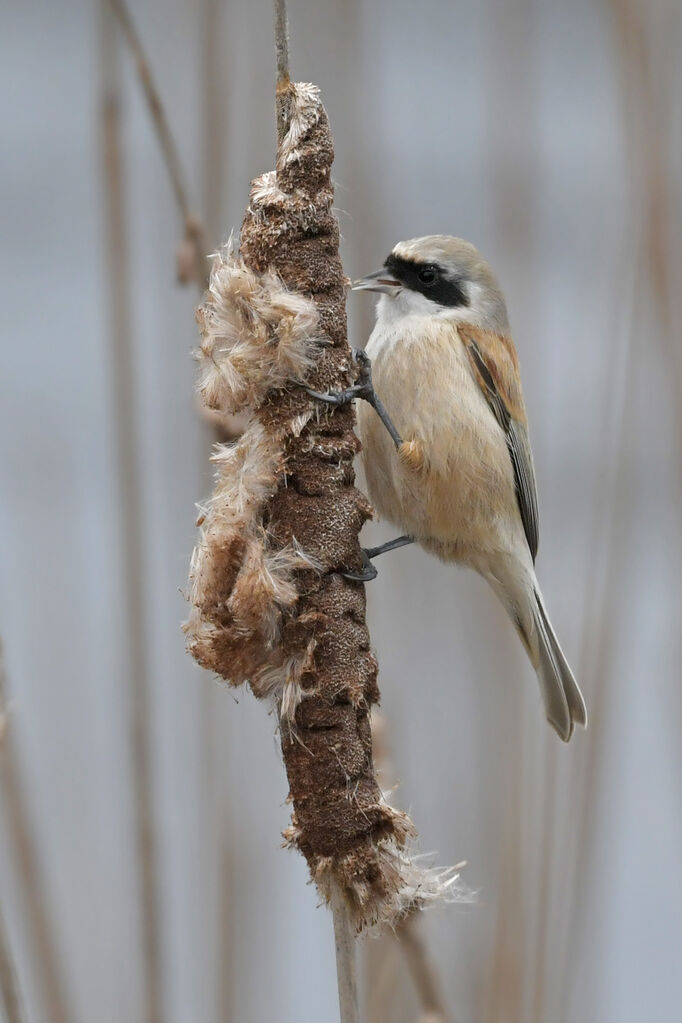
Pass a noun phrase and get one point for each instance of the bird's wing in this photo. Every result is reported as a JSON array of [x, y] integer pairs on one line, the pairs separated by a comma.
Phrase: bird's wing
[[496, 369]]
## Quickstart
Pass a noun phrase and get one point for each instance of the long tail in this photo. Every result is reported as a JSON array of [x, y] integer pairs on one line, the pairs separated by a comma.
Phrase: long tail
[[564, 704], [515, 584]]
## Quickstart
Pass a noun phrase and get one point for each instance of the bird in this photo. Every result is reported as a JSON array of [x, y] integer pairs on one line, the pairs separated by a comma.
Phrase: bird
[[454, 470]]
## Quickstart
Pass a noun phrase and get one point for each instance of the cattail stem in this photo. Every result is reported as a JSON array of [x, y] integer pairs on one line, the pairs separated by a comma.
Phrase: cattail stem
[[346, 970], [283, 88], [272, 604]]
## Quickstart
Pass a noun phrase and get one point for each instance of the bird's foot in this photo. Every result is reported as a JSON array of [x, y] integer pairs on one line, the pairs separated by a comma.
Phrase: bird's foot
[[362, 388], [368, 571]]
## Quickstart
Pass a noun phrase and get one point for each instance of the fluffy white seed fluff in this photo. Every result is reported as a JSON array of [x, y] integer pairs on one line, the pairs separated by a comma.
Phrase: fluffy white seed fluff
[[256, 335]]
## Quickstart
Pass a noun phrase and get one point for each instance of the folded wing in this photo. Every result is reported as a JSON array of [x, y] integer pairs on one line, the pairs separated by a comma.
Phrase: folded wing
[[495, 367]]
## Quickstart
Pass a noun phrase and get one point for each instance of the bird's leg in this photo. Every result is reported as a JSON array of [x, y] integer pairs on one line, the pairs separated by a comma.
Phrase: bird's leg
[[368, 571], [362, 388]]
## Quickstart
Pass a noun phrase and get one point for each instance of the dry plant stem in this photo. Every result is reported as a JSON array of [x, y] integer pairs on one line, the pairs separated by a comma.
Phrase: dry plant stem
[[26, 859], [8, 982], [214, 114], [408, 932], [505, 986], [422, 969], [601, 608], [512, 31], [645, 134], [192, 259], [382, 972], [282, 93], [346, 969], [648, 127], [123, 384], [192, 256], [544, 881]]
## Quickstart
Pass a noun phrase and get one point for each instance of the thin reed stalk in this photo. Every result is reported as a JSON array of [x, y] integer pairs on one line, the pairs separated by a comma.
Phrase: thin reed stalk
[[512, 56], [128, 474], [32, 884], [422, 970], [9, 991], [282, 89], [346, 967], [192, 261], [408, 933], [651, 218]]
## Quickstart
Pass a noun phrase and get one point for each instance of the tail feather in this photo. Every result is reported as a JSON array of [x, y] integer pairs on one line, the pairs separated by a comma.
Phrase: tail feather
[[516, 586], [564, 704]]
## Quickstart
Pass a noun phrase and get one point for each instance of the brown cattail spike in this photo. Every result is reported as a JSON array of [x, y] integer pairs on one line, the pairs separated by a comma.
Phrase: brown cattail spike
[[270, 605]]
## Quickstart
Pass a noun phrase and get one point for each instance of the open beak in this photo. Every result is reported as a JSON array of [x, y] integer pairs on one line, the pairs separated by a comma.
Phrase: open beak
[[381, 281]]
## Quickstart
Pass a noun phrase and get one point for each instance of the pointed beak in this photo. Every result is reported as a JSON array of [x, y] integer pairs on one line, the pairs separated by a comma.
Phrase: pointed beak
[[381, 281]]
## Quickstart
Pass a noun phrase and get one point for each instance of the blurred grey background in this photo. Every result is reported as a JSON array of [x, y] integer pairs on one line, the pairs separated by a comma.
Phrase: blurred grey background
[[550, 135]]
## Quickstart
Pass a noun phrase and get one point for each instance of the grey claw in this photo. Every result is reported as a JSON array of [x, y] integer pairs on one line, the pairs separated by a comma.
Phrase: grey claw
[[331, 398], [367, 573]]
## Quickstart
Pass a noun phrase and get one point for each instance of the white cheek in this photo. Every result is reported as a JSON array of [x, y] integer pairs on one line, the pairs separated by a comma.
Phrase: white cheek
[[482, 311], [476, 298]]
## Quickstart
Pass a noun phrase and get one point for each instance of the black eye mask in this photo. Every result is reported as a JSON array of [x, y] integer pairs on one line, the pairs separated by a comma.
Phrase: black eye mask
[[442, 290]]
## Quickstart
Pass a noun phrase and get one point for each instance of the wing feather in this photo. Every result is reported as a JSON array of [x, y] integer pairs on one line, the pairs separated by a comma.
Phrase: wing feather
[[495, 367]]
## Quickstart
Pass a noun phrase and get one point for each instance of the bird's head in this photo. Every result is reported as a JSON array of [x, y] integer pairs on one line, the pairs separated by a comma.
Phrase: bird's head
[[438, 275]]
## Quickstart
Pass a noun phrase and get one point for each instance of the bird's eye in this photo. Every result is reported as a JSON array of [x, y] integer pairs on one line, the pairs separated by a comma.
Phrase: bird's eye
[[428, 275]]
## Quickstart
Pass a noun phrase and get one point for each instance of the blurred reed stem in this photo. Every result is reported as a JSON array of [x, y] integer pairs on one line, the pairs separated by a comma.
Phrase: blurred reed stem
[[193, 266], [382, 978], [511, 115], [422, 970], [8, 981], [9, 992], [652, 214], [131, 510], [192, 257], [382, 970], [24, 844]]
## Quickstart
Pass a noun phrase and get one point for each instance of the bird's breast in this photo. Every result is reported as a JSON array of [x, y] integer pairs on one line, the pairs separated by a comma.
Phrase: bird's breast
[[462, 493]]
